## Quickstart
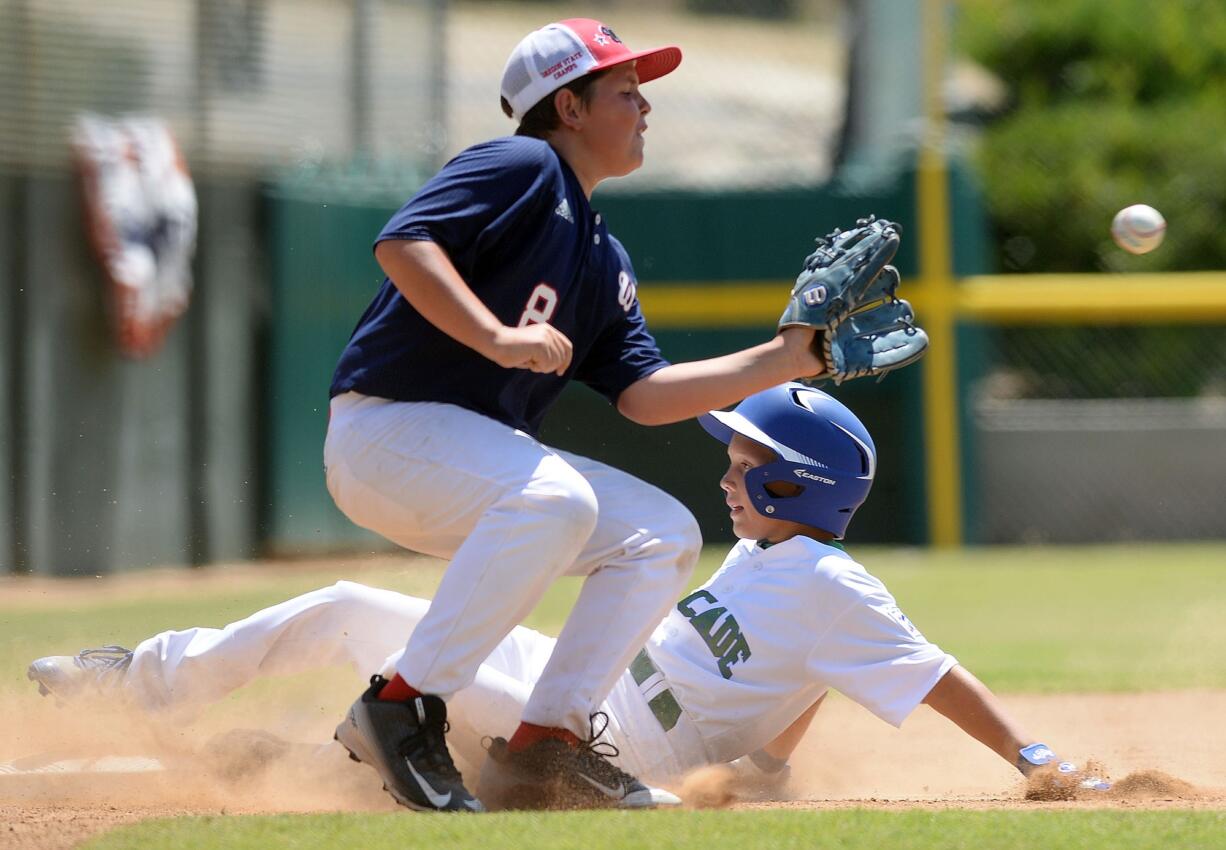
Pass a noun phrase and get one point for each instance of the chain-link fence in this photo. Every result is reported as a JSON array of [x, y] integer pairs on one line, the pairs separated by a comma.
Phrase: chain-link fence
[[1105, 362], [276, 83], [243, 83], [1093, 432]]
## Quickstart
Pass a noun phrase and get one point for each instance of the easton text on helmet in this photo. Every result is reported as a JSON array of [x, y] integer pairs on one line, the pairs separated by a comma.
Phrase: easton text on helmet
[[804, 473]]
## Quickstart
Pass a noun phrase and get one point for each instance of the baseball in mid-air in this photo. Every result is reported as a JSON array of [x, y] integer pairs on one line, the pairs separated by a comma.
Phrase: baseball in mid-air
[[1138, 229]]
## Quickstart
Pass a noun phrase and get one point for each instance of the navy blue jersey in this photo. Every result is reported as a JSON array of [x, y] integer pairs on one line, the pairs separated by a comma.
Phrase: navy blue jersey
[[513, 218]]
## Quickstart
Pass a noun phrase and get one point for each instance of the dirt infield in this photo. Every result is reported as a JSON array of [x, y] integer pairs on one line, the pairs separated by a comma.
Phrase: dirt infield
[[1155, 747]]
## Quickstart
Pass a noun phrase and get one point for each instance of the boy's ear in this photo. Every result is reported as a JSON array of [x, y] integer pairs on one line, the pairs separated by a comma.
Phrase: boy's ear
[[568, 106]]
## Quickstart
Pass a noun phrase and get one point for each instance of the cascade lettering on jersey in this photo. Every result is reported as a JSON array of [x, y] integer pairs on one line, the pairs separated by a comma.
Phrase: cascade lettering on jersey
[[718, 629]]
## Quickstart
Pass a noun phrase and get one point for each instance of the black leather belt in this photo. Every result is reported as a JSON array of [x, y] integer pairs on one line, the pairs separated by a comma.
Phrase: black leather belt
[[663, 705]]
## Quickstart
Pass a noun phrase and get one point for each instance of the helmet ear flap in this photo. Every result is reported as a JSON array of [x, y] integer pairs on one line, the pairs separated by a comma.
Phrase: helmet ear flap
[[810, 495]]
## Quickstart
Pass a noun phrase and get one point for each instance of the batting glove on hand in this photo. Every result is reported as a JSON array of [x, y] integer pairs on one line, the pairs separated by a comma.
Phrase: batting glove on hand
[[846, 292], [761, 776], [1049, 778]]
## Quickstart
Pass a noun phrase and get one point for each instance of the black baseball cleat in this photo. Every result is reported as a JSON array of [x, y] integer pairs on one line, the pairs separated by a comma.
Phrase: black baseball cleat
[[552, 774], [405, 743]]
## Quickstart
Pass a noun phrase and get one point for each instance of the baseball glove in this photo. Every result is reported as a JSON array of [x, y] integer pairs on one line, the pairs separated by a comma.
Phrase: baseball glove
[[847, 293]]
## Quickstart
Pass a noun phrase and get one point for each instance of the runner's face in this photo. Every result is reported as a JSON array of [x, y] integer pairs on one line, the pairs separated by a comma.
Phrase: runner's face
[[615, 121], [743, 455]]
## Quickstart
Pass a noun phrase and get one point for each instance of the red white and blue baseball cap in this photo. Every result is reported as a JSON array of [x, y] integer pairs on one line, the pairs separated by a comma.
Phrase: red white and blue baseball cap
[[552, 56]]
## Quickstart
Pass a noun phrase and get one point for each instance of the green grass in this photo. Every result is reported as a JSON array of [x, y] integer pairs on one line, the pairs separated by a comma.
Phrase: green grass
[[1054, 619], [779, 830], [1093, 618]]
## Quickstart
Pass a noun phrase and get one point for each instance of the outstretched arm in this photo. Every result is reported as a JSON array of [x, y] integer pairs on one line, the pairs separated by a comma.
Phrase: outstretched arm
[[685, 390], [976, 711]]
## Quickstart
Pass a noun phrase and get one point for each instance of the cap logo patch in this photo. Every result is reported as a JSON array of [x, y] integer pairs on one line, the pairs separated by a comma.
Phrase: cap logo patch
[[604, 35]]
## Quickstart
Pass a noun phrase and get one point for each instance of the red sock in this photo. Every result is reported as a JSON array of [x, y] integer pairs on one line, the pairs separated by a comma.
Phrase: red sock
[[529, 733], [398, 690]]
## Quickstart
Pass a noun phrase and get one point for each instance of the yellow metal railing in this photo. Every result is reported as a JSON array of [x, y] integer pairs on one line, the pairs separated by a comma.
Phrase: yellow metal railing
[[1039, 299]]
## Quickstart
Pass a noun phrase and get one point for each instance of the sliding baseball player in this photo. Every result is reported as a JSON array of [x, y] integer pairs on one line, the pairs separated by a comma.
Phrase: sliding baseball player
[[733, 673]]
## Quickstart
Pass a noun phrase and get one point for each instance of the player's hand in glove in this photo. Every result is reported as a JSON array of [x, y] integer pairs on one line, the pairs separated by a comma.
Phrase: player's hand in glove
[[760, 776], [846, 292], [1049, 778]]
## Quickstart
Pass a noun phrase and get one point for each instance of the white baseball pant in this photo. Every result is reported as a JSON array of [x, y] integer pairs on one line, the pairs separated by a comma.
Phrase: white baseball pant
[[512, 515], [364, 627]]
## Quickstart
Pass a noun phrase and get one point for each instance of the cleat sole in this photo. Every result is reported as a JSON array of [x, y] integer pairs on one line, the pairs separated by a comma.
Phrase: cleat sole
[[349, 752], [43, 690]]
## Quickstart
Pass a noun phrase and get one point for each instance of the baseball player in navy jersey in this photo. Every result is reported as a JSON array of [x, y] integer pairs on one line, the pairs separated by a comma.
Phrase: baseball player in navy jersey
[[734, 672], [504, 284]]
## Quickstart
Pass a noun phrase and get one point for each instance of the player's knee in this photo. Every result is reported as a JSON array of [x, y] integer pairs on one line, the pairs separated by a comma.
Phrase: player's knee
[[688, 541], [343, 599], [562, 497], [676, 538], [350, 600], [351, 594]]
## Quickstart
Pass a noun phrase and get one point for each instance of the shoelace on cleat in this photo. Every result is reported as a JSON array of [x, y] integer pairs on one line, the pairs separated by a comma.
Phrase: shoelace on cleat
[[595, 754], [427, 746], [104, 661]]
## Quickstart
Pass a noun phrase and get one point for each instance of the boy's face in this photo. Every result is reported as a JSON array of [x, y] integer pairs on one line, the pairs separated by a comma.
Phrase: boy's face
[[743, 455], [614, 120]]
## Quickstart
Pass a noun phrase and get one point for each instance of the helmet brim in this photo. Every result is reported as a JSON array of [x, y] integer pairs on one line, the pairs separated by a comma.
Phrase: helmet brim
[[722, 424]]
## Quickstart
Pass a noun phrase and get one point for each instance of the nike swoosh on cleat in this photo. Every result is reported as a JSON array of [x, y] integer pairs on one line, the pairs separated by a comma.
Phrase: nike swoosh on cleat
[[436, 799], [616, 792]]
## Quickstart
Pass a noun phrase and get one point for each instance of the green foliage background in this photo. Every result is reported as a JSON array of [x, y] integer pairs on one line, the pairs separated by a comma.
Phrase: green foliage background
[[1111, 104]]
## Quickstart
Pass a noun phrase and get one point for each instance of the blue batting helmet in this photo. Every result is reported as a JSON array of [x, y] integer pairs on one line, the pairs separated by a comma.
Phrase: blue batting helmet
[[822, 447]]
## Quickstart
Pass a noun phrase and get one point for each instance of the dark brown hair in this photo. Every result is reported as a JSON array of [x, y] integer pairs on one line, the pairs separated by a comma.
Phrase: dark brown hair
[[542, 119]]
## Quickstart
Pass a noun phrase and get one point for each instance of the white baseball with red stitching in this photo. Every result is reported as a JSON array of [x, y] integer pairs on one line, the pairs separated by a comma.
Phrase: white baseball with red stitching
[[1138, 229]]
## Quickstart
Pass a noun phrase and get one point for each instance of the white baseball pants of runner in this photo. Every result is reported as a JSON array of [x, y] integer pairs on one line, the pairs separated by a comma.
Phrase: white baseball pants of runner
[[512, 515], [363, 627]]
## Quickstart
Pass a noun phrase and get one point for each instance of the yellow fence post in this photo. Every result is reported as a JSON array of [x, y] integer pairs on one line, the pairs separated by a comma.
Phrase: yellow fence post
[[942, 456]]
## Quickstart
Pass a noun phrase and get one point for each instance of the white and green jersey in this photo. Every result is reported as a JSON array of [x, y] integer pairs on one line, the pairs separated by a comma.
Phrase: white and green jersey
[[749, 651]]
